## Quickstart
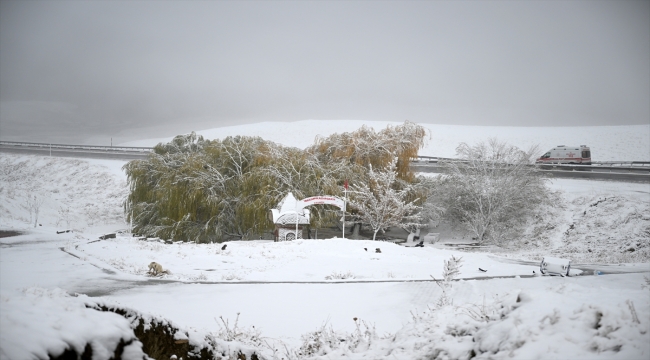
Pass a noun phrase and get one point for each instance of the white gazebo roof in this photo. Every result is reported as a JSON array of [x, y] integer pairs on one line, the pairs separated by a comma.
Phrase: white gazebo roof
[[287, 211], [289, 203]]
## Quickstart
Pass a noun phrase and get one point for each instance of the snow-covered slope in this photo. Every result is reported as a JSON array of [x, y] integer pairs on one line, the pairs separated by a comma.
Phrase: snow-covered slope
[[76, 193], [608, 143]]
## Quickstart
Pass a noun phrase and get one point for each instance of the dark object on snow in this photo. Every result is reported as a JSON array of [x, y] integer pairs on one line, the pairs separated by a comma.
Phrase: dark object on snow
[[485, 270], [64, 231], [107, 236], [224, 247], [378, 250], [366, 249], [420, 244]]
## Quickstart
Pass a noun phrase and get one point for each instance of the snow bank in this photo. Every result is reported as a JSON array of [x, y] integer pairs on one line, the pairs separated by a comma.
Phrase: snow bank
[[609, 228], [164, 339], [39, 323], [589, 222], [541, 318]]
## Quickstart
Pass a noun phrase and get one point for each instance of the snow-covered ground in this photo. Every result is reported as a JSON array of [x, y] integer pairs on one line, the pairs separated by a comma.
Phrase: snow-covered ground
[[306, 294]]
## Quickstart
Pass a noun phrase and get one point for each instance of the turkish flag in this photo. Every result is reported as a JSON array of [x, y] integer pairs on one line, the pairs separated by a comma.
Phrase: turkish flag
[[345, 184]]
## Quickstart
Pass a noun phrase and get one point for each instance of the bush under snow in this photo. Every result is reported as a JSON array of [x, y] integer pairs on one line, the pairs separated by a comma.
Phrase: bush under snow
[[568, 318]]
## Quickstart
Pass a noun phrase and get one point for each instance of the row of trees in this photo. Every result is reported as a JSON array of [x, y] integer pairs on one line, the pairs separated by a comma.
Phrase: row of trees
[[490, 189], [209, 190]]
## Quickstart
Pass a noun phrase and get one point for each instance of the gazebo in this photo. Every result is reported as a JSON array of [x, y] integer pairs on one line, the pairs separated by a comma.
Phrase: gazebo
[[289, 218]]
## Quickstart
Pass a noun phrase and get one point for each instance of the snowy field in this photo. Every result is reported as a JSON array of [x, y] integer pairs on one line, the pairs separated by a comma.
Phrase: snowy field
[[608, 143], [332, 298]]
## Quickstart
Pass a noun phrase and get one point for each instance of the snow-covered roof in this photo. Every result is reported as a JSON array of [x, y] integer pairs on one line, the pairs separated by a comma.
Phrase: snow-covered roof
[[287, 210], [289, 203]]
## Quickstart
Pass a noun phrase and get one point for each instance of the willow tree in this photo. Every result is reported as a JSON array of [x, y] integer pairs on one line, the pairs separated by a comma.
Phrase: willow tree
[[175, 193], [199, 190], [366, 148]]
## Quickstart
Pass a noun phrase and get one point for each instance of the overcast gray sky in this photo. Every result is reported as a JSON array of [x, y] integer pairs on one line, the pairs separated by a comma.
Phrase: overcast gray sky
[[79, 70]]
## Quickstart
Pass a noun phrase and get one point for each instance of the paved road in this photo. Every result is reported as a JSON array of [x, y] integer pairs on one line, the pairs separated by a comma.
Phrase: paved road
[[590, 174], [643, 175], [640, 175], [77, 153]]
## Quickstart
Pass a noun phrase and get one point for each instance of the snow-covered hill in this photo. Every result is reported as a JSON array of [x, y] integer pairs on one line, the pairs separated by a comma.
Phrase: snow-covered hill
[[77, 194], [608, 143]]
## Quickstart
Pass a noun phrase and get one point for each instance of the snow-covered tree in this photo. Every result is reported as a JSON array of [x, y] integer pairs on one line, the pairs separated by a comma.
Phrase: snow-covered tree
[[193, 189], [491, 189], [34, 203], [188, 189], [366, 148], [202, 190], [383, 201], [303, 174]]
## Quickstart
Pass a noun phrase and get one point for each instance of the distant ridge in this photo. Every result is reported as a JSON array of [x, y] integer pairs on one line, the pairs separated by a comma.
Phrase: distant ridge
[[608, 143]]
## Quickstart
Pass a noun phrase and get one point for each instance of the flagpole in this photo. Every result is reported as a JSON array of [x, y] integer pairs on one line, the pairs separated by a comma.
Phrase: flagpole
[[345, 198]]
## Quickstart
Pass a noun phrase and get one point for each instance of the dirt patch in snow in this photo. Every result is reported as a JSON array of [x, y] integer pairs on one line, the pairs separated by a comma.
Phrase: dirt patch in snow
[[9, 233]]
